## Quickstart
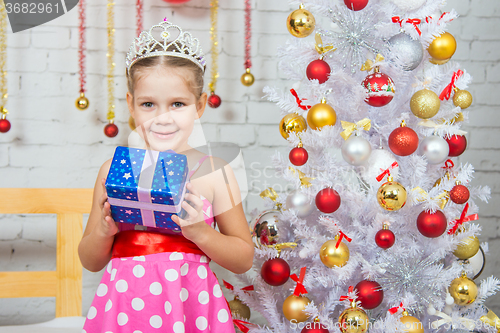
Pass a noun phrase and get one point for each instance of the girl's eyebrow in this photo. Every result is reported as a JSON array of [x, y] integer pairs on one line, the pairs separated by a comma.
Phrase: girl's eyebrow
[[144, 97]]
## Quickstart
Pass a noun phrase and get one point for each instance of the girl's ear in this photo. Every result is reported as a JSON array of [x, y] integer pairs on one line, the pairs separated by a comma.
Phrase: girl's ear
[[201, 104], [130, 103]]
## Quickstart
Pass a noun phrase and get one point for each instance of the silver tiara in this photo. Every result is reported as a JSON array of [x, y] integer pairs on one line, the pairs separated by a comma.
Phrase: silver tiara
[[174, 42]]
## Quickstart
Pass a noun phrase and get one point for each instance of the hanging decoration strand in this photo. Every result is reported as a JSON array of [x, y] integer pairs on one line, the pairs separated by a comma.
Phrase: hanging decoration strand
[[111, 64], [248, 34], [139, 17], [3, 58], [81, 46], [214, 7]]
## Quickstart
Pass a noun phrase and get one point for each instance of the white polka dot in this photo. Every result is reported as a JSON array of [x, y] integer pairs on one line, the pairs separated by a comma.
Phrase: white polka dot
[[102, 290], [108, 268], [168, 307], [155, 288], [155, 321], [222, 316], [113, 274], [138, 271], [121, 286], [122, 318], [184, 269], [184, 294], [171, 275], [109, 304], [179, 327], [137, 304], [201, 323], [203, 259], [203, 297], [137, 332], [202, 272], [184, 318], [217, 291], [92, 313], [176, 256], [139, 258]]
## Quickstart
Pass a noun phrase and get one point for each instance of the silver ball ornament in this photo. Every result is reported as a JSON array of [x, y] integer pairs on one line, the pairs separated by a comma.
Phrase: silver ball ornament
[[408, 5], [435, 148], [300, 202], [266, 229], [407, 49], [356, 150]]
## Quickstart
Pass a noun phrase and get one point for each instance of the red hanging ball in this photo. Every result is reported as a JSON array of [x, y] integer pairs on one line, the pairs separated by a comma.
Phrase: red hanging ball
[[356, 4], [385, 238], [380, 89], [457, 144], [111, 130], [327, 200], [432, 225], [459, 194], [214, 100], [370, 294], [298, 156], [403, 141], [315, 327], [275, 271], [319, 70], [4, 125]]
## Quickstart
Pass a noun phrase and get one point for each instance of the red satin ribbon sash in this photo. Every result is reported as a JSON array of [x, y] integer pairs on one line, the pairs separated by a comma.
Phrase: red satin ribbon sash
[[132, 243]]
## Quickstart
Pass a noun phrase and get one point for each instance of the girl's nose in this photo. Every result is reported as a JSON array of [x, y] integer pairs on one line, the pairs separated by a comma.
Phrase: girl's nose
[[163, 117]]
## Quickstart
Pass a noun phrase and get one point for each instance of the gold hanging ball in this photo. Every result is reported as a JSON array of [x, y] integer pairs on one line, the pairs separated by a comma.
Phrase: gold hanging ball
[[300, 23], [131, 123], [438, 62], [463, 290], [321, 115], [238, 308], [293, 308], [331, 256], [462, 98], [247, 79], [425, 103], [467, 248], [353, 320], [82, 102], [491, 319], [412, 324], [443, 47], [292, 122], [391, 195]]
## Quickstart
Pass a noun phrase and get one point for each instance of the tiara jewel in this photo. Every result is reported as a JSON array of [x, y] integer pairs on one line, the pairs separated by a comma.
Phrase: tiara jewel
[[174, 42]]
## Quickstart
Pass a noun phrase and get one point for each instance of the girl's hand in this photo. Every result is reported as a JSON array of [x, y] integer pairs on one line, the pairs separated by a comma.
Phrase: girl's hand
[[108, 227], [190, 225]]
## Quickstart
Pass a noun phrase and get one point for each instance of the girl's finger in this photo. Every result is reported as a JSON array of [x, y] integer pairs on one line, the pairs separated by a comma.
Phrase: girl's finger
[[194, 201], [180, 222], [193, 213], [192, 189]]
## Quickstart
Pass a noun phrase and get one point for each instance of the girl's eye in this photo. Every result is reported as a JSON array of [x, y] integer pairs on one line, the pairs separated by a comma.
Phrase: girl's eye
[[178, 104], [147, 104]]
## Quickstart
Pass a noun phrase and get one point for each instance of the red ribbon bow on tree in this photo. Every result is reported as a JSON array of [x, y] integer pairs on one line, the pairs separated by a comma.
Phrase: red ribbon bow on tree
[[343, 298], [299, 288], [448, 164], [446, 93], [299, 101], [387, 171], [242, 325], [463, 219], [230, 286], [342, 235], [415, 22], [396, 308], [428, 19]]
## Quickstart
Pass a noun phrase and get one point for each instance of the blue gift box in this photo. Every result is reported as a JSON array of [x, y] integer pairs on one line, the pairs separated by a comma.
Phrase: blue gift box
[[146, 187]]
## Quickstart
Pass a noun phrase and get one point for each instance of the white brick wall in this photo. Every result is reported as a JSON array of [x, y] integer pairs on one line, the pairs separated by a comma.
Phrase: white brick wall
[[51, 144]]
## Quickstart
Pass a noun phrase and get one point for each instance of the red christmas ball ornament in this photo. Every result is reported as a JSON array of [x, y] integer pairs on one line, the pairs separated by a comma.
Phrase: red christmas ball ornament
[[356, 4], [432, 225], [385, 238], [327, 200], [319, 70], [214, 100], [403, 141], [315, 327], [298, 156], [380, 89], [111, 130], [370, 294], [459, 194], [457, 144], [4, 125], [275, 271]]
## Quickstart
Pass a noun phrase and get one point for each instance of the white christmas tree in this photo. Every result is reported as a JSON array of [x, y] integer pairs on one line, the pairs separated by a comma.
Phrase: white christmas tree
[[381, 237]]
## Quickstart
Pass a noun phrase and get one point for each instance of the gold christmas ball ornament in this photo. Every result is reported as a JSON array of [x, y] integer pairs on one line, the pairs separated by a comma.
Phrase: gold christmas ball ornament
[[293, 308], [391, 195], [247, 79], [332, 256], [462, 98], [411, 324], [443, 47], [239, 309], [82, 102], [321, 115], [467, 248], [300, 23], [438, 62], [425, 104], [463, 290], [353, 320], [131, 123], [292, 122]]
